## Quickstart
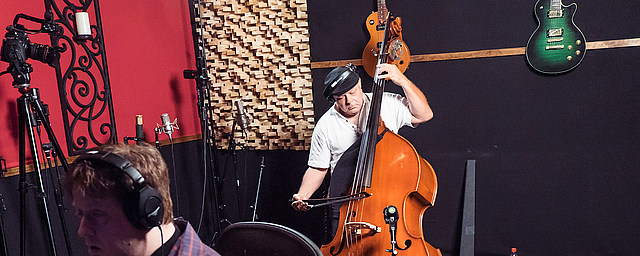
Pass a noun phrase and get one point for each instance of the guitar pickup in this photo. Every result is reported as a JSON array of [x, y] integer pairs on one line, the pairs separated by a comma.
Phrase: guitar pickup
[[554, 47], [555, 14], [555, 32], [554, 40]]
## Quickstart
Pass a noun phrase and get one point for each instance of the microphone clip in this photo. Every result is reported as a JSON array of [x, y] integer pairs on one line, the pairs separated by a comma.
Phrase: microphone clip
[[174, 126]]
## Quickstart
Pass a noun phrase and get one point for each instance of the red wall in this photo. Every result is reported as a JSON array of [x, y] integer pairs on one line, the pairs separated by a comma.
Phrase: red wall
[[148, 45]]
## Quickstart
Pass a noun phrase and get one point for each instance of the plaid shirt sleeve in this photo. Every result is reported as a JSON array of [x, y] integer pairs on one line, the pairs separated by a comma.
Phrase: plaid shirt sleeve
[[189, 243]]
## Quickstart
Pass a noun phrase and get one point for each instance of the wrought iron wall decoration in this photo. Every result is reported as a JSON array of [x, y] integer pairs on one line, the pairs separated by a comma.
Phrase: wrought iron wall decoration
[[83, 78]]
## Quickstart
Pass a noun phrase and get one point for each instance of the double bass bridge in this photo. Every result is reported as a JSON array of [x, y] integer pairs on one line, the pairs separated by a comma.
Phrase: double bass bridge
[[361, 229]]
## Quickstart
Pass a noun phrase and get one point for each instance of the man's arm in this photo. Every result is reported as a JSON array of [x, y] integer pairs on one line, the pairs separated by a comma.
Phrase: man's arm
[[418, 105], [311, 181]]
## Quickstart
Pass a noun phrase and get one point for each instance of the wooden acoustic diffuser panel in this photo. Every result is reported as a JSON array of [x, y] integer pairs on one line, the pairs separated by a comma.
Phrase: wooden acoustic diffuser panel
[[258, 51]]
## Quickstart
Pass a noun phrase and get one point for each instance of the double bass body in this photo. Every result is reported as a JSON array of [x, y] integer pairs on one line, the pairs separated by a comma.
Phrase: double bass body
[[400, 178]]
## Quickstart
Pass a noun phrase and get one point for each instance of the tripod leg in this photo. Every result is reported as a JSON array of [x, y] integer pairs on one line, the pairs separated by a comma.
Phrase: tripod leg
[[58, 195], [22, 186], [37, 106], [36, 164]]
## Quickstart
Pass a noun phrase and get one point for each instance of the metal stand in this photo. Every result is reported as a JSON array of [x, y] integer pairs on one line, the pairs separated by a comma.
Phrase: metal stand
[[3, 208], [3, 243], [54, 169], [30, 109], [255, 204], [233, 153], [205, 114]]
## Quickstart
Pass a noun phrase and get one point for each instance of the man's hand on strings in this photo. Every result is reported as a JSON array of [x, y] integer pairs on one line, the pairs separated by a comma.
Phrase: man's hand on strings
[[391, 72], [418, 105]]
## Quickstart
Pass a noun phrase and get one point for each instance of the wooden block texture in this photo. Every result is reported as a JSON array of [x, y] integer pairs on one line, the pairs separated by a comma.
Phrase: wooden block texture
[[258, 51]]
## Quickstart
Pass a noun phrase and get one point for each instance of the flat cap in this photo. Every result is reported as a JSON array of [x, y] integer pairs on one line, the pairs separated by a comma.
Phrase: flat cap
[[340, 80]]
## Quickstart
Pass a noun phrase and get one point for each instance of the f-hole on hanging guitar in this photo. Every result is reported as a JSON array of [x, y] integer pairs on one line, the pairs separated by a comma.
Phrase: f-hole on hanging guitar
[[398, 51]]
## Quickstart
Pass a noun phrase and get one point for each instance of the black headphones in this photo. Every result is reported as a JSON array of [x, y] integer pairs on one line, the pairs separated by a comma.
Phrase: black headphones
[[144, 207]]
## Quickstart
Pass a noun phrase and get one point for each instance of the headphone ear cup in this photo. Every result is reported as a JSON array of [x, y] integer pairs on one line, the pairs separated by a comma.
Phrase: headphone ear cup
[[150, 207], [144, 208]]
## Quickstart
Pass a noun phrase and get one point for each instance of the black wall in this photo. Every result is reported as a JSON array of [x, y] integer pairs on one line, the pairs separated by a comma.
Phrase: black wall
[[557, 156]]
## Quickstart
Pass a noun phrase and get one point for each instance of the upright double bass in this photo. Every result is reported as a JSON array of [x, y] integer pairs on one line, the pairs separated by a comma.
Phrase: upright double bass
[[392, 188]]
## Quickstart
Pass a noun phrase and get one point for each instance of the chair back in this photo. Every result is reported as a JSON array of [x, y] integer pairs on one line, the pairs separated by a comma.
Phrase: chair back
[[263, 238]]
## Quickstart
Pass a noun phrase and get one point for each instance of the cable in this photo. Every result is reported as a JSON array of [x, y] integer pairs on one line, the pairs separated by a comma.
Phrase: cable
[[161, 240]]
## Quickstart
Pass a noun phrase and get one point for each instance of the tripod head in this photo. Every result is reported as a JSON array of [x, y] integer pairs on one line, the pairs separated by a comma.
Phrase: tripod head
[[17, 48]]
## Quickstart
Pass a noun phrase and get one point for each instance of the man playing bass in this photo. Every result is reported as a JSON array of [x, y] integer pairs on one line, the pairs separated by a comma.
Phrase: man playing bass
[[345, 121]]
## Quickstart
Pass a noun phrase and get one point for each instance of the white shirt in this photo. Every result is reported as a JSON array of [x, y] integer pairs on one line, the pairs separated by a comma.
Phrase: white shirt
[[334, 134]]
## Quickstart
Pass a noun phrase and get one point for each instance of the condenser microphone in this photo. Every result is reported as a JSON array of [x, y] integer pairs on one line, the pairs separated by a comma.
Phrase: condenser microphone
[[241, 117], [167, 126], [139, 130]]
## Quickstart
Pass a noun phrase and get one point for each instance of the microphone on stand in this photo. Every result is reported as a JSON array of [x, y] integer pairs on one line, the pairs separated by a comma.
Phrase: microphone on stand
[[241, 117], [139, 130], [167, 126]]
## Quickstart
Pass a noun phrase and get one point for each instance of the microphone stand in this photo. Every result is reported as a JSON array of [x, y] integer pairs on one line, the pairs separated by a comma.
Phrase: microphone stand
[[175, 177], [205, 114], [3, 243], [232, 148], [255, 204], [157, 131], [245, 148], [3, 208]]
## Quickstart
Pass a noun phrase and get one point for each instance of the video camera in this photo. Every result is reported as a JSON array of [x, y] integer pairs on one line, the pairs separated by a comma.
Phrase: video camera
[[17, 48]]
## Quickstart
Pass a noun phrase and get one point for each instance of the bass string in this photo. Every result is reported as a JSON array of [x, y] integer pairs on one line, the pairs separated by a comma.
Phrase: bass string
[[368, 143], [363, 166]]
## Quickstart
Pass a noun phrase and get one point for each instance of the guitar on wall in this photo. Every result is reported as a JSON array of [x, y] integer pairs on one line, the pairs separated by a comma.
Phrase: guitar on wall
[[398, 51], [557, 45]]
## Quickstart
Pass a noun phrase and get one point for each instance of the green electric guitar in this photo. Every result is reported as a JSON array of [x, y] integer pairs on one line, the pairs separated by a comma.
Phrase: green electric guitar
[[557, 45]]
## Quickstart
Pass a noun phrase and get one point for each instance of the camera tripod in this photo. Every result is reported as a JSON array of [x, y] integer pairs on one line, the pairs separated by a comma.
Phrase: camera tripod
[[31, 114]]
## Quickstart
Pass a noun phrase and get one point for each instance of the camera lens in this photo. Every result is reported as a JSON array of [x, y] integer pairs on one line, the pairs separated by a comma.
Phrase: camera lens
[[42, 53]]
